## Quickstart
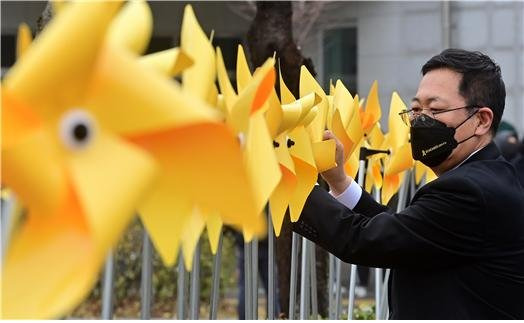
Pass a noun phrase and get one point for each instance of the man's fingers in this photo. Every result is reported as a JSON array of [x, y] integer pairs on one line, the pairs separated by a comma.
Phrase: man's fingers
[[328, 135]]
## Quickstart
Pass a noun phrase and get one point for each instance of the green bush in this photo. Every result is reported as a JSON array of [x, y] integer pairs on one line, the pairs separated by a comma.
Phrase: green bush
[[127, 278]]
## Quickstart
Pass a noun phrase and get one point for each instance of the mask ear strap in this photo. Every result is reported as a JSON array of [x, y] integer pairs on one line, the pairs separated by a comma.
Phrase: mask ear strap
[[473, 135], [471, 115], [468, 138]]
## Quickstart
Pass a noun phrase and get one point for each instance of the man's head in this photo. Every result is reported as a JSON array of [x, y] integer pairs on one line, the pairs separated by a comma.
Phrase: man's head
[[469, 85], [481, 81]]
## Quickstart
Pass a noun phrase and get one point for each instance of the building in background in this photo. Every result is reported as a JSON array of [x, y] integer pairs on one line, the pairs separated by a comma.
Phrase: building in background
[[357, 42]]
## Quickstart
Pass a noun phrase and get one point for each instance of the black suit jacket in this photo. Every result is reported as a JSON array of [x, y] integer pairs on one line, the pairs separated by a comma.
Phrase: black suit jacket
[[456, 252]]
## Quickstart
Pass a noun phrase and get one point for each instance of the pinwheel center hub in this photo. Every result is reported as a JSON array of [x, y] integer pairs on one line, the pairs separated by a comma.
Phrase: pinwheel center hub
[[80, 132], [241, 139], [76, 128]]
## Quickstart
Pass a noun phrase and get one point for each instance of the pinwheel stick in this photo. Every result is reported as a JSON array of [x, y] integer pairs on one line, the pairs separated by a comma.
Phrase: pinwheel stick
[[254, 277], [378, 271], [293, 275], [181, 285], [107, 287], [304, 281], [402, 197], [338, 296], [313, 271], [247, 280], [271, 270], [364, 152], [331, 282], [147, 275], [195, 284], [8, 207], [217, 263]]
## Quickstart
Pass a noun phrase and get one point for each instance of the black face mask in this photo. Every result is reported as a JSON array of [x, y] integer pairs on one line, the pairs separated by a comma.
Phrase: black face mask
[[432, 141]]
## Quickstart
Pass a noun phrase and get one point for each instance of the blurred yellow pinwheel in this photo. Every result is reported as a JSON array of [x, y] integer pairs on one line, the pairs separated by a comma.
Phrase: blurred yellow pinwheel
[[201, 176], [421, 170], [23, 39], [85, 130]]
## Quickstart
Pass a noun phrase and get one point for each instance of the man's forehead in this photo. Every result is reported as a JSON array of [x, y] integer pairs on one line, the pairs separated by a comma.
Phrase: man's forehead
[[440, 85], [426, 99]]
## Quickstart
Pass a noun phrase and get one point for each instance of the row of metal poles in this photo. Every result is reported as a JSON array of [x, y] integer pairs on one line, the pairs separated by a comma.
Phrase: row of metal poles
[[308, 303]]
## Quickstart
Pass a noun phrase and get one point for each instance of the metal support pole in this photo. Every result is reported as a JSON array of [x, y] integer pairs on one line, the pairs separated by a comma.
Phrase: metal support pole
[[352, 282], [8, 207], [181, 286], [107, 287], [254, 258], [353, 270], [410, 176], [195, 284], [378, 288], [331, 282], [378, 271], [271, 270], [313, 281], [217, 263], [338, 290], [384, 310], [304, 279], [147, 275], [402, 196], [247, 280], [293, 275]]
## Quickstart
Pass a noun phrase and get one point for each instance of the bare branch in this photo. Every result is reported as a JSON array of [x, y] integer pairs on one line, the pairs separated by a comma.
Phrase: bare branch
[[305, 14], [244, 9]]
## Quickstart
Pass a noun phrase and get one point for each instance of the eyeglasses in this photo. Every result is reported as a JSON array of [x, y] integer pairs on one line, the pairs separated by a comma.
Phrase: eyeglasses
[[409, 115]]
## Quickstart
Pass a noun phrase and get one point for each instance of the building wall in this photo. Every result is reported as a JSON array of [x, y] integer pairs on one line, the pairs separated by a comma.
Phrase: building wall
[[396, 38]]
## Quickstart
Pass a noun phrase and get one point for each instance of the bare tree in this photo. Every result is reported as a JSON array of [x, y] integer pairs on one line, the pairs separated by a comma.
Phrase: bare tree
[[272, 32]]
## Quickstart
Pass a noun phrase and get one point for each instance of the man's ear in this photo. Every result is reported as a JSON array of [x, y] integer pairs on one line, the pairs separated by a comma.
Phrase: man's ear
[[485, 119]]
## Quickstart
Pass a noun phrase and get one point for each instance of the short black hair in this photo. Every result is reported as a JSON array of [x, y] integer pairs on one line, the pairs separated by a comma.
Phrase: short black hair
[[481, 83]]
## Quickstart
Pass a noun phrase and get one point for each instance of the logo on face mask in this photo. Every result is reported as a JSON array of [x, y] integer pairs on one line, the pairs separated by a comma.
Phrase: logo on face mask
[[424, 152]]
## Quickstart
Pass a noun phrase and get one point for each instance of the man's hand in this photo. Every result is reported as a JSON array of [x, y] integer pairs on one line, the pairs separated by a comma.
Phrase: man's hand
[[336, 177]]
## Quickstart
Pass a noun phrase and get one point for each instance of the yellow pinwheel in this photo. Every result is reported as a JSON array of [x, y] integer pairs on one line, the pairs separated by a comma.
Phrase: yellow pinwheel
[[400, 158], [375, 140], [346, 123], [309, 153], [244, 114], [283, 119], [372, 112], [421, 170], [200, 176], [23, 39], [85, 130], [132, 30]]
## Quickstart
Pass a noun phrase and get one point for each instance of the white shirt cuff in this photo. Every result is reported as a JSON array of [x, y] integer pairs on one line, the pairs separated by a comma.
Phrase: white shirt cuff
[[350, 196]]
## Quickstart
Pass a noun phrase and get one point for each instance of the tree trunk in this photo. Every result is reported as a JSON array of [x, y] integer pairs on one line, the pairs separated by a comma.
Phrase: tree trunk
[[270, 32]]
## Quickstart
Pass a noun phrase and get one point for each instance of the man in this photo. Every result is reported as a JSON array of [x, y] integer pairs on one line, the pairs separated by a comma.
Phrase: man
[[457, 251], [507, 142]]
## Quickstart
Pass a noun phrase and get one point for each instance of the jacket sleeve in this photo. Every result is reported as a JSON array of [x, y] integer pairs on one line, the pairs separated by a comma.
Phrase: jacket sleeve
[[442, 227]]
